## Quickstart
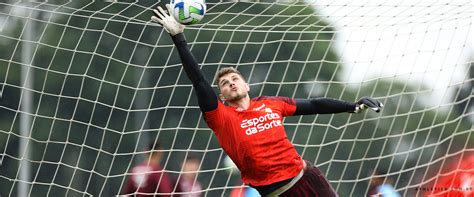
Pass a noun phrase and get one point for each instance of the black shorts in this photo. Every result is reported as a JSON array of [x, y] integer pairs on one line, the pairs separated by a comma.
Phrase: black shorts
[[312, 183]]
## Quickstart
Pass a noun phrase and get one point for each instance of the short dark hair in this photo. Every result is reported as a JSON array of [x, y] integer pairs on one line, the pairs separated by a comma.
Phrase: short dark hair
[[154, 145], [225, 71], [379, 171], [192, 157]]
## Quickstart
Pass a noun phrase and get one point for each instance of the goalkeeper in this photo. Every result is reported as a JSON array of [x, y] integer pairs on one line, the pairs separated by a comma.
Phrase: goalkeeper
[[250, 130]]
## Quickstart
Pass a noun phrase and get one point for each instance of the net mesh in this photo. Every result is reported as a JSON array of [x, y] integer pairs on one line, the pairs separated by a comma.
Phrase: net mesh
[[85, 86]]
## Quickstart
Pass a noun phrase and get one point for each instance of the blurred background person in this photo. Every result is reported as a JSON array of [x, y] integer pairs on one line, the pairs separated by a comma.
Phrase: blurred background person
[[380, 186], [188, 184], [148, 178], [240, 190]]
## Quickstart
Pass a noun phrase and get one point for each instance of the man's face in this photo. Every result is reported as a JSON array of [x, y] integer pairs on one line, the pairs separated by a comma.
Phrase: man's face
[[233, 87], [190, 167]]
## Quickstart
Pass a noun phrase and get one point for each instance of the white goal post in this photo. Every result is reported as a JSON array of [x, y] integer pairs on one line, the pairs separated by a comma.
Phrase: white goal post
[[85, 86]]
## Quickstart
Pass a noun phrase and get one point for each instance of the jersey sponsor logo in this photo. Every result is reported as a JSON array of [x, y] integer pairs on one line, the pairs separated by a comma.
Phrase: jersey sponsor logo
[[259, 108], [261, 123], [268, 110]]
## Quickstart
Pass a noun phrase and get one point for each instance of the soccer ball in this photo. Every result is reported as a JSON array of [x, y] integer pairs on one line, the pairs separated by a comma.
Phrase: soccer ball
[[188, 12]]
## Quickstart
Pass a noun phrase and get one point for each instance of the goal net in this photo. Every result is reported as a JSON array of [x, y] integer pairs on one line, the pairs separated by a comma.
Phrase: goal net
[[85, 86]]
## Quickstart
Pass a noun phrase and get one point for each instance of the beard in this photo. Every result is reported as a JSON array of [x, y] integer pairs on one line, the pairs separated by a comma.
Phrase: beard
[[237, 96]]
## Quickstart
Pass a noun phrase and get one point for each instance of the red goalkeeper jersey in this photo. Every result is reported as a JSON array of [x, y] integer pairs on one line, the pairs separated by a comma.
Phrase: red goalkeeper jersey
[[255, 139]]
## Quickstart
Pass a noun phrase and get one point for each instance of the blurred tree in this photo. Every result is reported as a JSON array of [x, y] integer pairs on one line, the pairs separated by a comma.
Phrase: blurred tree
[[464, 93]]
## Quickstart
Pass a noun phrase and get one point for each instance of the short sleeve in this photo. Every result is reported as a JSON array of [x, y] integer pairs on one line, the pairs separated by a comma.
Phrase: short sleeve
[[215, 119], [286, 105]]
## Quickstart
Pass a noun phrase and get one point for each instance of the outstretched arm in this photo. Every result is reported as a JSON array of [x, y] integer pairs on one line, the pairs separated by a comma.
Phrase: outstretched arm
[[207, 98], [331, 106]]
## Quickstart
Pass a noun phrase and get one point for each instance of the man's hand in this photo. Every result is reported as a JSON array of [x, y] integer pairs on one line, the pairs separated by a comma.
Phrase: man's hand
[[367, 102], [167, 21]]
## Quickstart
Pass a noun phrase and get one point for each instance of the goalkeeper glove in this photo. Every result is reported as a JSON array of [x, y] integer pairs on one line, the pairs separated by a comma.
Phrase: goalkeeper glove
[[367, 102], [167, 21]]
